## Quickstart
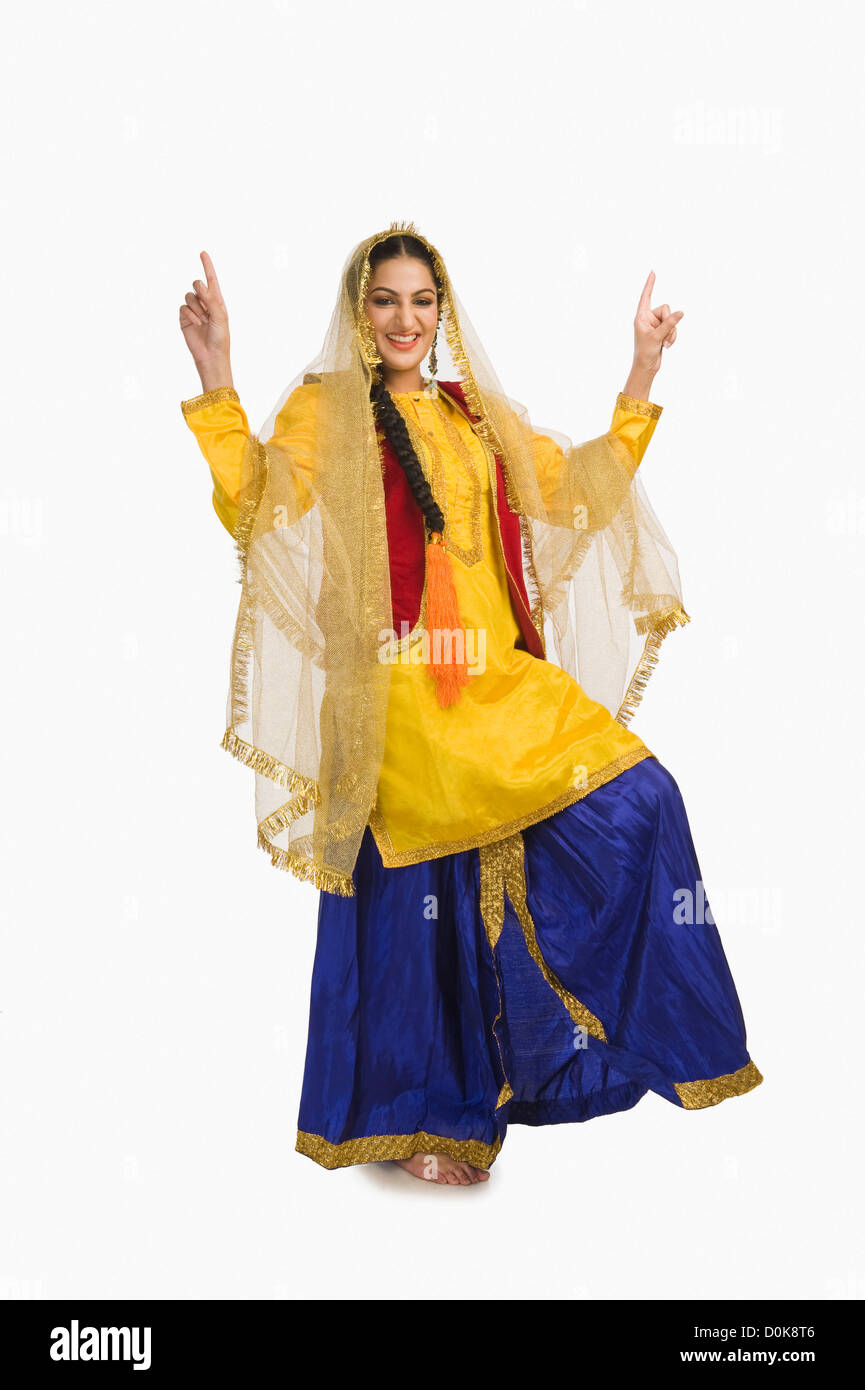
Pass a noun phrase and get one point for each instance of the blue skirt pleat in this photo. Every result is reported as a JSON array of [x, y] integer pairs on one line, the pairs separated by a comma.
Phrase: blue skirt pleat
[[418, 1027]]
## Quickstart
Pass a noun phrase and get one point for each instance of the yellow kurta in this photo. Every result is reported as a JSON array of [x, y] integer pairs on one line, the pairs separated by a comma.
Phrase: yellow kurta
[[524, 740]]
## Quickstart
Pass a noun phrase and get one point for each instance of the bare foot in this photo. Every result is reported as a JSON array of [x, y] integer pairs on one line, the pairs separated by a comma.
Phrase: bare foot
[[438, 1168]]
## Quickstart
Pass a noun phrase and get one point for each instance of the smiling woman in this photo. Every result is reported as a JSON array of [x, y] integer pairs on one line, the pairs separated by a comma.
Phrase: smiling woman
[[500, 857], [403, 307]]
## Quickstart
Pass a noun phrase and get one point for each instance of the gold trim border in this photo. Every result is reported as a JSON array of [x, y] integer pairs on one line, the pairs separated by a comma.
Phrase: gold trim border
[[502, 868], [214, 397], [394, 860], [697, 1095], [515, 882], [331, 880], [650, 409], [378, 1148]]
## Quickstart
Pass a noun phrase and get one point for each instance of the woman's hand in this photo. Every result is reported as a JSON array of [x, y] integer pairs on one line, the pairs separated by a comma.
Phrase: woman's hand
[[204, 324], [654, 329]]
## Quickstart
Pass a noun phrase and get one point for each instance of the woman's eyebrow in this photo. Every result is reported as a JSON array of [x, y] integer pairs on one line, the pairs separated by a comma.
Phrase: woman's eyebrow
[[389, 291]]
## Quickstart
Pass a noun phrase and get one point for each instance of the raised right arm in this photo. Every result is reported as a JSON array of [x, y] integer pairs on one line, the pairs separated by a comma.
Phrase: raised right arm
[[219, 423], [217, 418]]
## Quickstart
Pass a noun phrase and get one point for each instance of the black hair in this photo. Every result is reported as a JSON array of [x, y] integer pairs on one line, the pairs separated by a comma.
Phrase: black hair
[[384, 408]]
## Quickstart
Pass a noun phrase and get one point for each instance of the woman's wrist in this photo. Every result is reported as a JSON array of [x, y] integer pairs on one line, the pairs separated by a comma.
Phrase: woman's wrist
[[215, 374], [639, 383]]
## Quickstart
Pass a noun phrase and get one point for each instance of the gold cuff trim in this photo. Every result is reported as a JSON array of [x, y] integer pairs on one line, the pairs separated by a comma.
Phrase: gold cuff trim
[[503, 869], [377, 1148], [214, 397], [393, 860], [650, 409], [656, 626], [696, 1095]]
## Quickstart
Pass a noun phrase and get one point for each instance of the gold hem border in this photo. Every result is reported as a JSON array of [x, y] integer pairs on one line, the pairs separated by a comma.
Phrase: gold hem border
[[697, 1095], [378, 1148], [393, 859]]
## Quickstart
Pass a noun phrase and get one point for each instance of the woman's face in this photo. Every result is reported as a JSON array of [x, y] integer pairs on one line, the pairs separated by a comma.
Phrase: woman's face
[[402, 305]]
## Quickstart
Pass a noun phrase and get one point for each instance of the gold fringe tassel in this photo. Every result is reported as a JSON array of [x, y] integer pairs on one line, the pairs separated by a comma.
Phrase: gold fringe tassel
[[265, 763], [658, 625], [331, 880], [308, 794]]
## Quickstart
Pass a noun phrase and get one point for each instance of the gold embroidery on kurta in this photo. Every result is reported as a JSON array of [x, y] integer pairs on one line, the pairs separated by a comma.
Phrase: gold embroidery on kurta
[[469, 555], [435, 471]]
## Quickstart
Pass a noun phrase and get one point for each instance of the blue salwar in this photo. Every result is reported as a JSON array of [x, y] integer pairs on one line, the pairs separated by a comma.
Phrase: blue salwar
[[555, 975]]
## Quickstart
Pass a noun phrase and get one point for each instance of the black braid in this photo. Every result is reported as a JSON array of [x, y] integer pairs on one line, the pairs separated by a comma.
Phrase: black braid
[[394, 426], [384, 407]]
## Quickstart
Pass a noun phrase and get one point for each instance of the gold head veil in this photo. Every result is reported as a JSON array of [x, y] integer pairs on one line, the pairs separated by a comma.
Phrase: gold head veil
[[308, 692]]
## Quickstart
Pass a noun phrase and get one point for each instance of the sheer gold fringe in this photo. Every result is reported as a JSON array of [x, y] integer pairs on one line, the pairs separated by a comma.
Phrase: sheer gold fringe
[[533, 588], [249, 501], [308, 793], [265, 763], [657, 625], [697, 1095], [377, 1148], [331, 880]]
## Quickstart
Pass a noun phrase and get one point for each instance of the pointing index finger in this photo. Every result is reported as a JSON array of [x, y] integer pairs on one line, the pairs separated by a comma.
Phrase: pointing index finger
[[646, 295], [210, 273]]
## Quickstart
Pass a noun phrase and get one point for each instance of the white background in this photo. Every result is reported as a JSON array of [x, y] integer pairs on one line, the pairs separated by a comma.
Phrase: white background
[[155, 967]]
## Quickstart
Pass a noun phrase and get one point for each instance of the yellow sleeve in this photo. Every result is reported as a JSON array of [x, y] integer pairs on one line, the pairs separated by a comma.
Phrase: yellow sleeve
[[219, 423], [598, 472], [634, 424]]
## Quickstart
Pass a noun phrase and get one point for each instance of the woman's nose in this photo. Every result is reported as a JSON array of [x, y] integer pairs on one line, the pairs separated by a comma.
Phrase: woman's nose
[[405, 318]]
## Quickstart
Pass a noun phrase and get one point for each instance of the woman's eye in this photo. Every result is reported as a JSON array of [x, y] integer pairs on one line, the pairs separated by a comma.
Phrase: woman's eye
[[422, 303]]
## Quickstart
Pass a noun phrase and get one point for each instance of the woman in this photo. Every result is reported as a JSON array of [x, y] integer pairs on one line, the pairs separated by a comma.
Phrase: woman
[[512, 926]]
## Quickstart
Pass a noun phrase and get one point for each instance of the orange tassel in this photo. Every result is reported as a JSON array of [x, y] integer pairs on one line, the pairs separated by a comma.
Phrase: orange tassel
[[442, 615]]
